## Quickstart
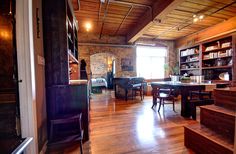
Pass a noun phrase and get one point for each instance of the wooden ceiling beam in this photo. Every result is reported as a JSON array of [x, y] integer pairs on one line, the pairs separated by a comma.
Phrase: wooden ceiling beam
[[159, 9]]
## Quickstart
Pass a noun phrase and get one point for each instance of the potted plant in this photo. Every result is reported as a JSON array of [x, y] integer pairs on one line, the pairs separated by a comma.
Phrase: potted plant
[[185, 79], [173, 71]]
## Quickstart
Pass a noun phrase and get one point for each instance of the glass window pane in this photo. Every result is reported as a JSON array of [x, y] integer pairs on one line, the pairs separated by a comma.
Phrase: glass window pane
[[150, 62]]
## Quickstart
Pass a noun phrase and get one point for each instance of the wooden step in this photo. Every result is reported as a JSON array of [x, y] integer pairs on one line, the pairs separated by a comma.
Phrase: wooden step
[[219, 119], [225, 97], [7, 90], [7, 119], [7, 102], [7, 97], [203, 140]]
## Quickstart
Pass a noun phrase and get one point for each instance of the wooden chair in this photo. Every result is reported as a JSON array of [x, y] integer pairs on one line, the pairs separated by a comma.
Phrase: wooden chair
[[77, 134], [138, 89], [137, 85], [162, 95]]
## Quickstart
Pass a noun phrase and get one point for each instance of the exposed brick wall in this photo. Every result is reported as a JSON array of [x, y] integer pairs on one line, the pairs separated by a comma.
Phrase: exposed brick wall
[[99, 64], [85, 51], [92, 38], [119, 52]]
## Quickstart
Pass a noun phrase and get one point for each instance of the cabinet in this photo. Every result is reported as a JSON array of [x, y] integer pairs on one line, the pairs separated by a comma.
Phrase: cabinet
[[212, 58], [65, 99]]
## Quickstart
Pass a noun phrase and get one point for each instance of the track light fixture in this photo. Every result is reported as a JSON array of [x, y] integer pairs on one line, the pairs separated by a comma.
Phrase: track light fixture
[[198, 17]]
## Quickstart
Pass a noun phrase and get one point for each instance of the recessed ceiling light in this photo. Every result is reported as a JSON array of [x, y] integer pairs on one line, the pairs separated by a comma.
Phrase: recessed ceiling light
[[88, 26]]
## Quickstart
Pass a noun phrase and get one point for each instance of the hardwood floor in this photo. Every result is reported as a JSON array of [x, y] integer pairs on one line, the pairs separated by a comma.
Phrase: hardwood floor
[[117, 126]]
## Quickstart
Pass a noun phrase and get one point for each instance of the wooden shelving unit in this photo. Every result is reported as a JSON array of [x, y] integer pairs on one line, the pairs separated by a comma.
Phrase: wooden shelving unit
[[66, 98], [215, 56], [189, 69], [190, 54], [72, 42], [194, 61], [218, 67], [189, 60], [218, 49]]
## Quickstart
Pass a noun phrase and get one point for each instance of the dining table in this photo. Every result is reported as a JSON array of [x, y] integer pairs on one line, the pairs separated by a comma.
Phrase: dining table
[[184, 90]]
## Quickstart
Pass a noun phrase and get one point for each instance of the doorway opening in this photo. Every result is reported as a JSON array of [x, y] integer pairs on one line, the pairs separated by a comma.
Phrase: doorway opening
[[9, 93], [102, 66]]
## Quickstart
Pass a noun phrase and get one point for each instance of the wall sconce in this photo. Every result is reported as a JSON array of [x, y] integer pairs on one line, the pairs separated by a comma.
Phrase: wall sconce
[[5, 34], [109, 65]]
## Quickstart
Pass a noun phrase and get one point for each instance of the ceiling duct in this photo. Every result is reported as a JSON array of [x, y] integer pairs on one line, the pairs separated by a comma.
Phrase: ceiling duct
[[76, 5], [131, 3], [104, 17], [145, 44]]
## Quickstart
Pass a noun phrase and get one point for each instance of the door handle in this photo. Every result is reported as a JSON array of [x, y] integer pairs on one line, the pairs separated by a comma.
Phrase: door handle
[[15, 80], [19, 81]]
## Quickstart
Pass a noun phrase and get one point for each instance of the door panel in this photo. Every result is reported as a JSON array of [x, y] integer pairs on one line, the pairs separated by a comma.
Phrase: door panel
[[9, 104]]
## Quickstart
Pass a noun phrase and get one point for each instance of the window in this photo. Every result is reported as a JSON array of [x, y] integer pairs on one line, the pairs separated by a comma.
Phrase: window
[[150, 62]]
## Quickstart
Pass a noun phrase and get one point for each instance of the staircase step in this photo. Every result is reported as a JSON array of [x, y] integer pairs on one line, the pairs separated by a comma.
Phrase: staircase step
[[7, 97], [7, 119], [219, 119], [219, 109], [7, 102], [225, 97], [7, 90], [203, 140]]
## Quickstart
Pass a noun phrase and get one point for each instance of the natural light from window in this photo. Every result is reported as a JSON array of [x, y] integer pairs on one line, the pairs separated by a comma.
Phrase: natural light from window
[[150, 62]]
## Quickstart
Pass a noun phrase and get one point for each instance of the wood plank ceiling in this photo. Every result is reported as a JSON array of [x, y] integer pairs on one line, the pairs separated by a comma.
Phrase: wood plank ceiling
[[111, 17], [179, 22], [120, 17]]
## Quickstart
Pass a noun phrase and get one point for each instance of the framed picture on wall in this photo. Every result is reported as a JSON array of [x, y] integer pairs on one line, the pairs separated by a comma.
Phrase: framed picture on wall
[[127, 64]]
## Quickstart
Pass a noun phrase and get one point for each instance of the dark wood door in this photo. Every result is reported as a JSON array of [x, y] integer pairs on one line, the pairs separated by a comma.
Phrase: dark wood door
[[9, 102]]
